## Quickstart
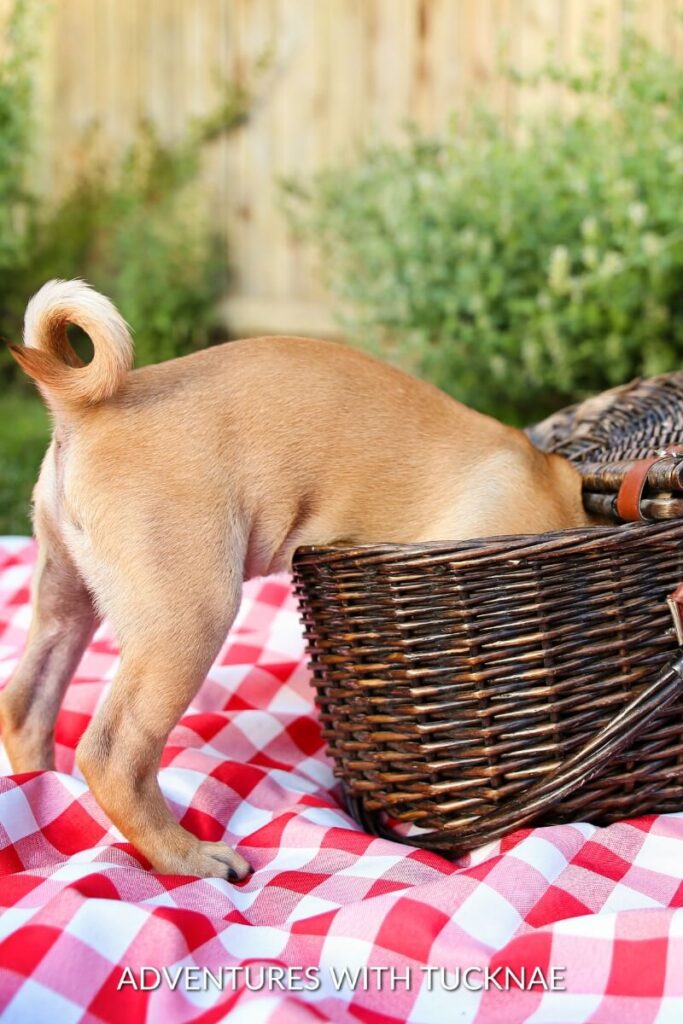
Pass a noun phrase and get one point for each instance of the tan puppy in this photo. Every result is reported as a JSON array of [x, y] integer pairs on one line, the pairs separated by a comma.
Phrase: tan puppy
[[165, 487]]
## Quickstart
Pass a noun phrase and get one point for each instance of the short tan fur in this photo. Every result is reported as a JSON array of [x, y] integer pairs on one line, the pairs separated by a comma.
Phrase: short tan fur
[[164, 488]]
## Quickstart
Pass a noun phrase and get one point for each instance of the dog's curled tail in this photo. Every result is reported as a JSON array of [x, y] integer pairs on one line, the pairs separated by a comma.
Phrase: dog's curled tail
[[46, 355]]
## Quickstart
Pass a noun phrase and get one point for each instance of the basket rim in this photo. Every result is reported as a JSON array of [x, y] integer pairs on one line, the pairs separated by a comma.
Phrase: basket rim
[[496, 548]]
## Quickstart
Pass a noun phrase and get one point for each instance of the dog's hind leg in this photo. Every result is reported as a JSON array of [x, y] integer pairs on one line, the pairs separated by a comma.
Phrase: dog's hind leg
[[62, 624], [170, 629]]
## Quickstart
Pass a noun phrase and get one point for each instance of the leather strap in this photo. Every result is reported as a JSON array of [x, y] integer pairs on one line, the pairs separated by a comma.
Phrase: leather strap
[[631, 490], [633, 485]]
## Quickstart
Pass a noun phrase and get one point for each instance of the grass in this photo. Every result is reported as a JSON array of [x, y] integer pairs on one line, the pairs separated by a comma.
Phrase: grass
[[24, 436]]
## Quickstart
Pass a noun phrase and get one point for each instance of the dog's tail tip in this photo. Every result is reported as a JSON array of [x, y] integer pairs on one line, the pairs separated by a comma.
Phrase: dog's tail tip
[[47, 356]]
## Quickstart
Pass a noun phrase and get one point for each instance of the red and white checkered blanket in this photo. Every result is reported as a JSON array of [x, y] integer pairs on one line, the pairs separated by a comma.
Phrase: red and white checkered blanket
[[247, 764]]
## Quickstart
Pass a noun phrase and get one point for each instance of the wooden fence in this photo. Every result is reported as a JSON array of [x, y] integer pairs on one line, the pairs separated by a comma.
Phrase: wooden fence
[[343, 72]]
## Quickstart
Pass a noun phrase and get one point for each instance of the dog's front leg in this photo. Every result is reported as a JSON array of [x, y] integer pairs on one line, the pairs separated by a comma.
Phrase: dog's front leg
[[62, 625], [163, 664]]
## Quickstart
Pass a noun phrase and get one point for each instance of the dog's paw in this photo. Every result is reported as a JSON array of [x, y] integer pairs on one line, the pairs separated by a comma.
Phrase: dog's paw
[[216, 860]]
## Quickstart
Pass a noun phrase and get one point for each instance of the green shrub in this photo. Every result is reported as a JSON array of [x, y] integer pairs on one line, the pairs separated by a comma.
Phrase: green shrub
[[139, 232], [137, 229], [519, 269], [24, 436], [16, 104]]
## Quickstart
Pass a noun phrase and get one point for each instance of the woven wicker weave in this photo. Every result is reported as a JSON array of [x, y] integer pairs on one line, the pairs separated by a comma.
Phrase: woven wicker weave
[[469, 688]]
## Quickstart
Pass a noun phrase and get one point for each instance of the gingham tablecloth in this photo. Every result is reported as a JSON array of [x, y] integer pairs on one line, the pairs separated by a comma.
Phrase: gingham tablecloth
[[81, 916]]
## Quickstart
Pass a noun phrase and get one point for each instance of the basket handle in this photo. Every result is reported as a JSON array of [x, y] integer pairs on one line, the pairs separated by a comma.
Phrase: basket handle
[[572, 773]]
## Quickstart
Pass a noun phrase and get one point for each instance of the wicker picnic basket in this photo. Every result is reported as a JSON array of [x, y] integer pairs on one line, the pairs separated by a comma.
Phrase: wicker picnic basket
[[466, 689]]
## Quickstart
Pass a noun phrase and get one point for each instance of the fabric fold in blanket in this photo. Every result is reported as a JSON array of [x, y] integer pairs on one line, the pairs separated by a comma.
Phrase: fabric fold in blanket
[[571, 923]]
